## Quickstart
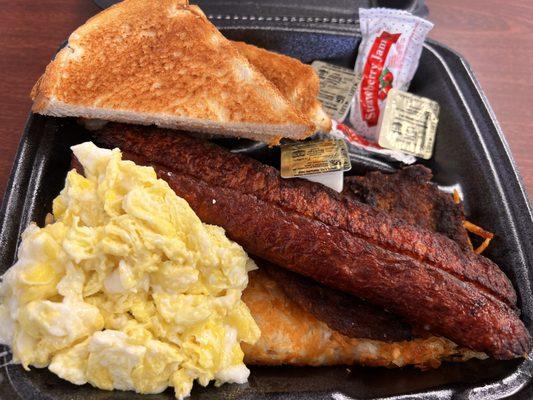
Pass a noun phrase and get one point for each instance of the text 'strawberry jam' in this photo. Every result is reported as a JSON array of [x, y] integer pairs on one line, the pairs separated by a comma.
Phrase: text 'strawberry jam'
[[388, 58]]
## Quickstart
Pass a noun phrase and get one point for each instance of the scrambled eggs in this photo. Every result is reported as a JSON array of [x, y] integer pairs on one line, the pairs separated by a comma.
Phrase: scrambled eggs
[[127, 289]]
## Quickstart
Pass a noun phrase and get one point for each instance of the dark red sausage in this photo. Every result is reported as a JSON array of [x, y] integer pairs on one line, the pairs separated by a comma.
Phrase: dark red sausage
[[425, 295], [218, 166], [341, 311], [422, 276]]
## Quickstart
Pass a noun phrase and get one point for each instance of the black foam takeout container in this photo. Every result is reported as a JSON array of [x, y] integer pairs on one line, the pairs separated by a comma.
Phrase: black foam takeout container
[[470, 152]]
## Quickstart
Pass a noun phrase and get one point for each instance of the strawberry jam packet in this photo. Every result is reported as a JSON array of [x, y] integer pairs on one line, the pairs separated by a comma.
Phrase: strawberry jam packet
[[359, 145], [388, 57]]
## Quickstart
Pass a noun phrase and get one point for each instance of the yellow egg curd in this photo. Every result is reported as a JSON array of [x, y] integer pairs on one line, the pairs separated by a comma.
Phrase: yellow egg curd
[[126, 288]]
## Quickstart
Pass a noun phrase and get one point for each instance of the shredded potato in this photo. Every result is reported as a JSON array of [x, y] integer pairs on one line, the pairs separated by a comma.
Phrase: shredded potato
[[456, 197], [478, 231], [474, 229]]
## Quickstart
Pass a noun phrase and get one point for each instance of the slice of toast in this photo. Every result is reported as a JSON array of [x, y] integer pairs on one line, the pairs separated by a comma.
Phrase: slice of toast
[[164, 63], [297, 81]]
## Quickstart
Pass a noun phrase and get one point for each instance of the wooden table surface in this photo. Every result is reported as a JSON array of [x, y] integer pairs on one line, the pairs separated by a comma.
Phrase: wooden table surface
[[496, 37]]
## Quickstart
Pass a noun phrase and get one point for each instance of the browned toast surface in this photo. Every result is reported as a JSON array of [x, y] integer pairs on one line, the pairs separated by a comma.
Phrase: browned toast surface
[[297, 81], [164, 63]]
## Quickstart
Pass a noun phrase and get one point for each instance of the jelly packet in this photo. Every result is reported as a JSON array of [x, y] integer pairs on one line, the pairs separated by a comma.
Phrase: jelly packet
[[359, 144], [388, 57]]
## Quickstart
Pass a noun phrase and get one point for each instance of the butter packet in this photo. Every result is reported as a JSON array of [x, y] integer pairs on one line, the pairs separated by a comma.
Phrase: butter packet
[[314, 157], [337, 88], [409, 124]]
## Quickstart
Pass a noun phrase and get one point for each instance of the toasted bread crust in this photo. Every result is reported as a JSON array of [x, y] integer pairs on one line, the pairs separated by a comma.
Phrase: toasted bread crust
[[297, 81], [164, 63]]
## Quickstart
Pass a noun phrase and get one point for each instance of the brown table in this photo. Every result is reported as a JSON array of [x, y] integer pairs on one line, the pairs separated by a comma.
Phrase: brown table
[[496, 37]]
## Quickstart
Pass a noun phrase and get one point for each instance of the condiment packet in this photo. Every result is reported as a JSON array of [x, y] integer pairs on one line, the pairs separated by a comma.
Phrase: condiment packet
[[409, 124], [314, 157], [388, 57], [359, 144], [337, 88]]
